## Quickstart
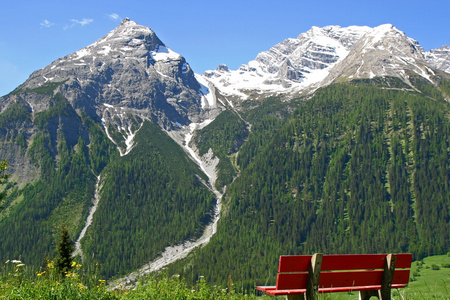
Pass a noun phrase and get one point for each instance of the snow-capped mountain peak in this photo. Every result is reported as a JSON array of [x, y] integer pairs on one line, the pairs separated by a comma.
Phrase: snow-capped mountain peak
[[291, 65], [439, 58], [129, 68], [323, 54], [383, 51]]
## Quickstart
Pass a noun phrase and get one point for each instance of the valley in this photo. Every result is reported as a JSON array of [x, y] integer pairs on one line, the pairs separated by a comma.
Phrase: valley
[[336, 141]]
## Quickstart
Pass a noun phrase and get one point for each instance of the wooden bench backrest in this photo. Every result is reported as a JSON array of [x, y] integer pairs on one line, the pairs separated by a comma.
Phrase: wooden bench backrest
[[341, 270]]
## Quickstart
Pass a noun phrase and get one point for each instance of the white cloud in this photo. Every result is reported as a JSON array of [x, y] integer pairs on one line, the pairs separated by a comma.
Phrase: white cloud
[[81, 22], [114, 16], [47, 23]]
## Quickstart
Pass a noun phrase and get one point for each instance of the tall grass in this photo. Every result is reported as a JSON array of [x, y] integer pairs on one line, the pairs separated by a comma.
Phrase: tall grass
[[18, 282], [49, 284]]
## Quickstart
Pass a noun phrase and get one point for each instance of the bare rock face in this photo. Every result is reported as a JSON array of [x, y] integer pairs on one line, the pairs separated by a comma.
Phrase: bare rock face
[[126, 77], [291, 65], [439, 58], [383, 51], [323, 55], [129, 68]]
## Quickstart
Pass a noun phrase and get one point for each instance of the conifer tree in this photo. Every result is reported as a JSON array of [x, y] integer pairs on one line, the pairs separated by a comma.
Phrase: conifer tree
[[64, 250]]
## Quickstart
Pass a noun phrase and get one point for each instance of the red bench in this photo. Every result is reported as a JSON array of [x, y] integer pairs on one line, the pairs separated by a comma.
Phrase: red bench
[[305, 276]]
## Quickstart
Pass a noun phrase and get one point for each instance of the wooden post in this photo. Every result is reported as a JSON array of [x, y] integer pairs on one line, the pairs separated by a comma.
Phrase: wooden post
[[388, 275], [312, 287]]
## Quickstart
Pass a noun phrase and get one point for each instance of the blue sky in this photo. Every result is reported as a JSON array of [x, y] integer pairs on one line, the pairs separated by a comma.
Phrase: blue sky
[[207, 33]]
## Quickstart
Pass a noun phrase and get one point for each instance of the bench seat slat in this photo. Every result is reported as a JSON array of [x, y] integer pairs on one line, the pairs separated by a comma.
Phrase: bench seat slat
[[275, 292], [264, 288], [300, 263], [340, 273], [339, 279]]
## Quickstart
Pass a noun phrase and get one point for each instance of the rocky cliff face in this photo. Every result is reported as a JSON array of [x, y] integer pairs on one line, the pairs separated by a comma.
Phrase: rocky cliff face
[[122, 79], [322, 55], [439, 58], [291, 65], [128, 68], [384, 51]]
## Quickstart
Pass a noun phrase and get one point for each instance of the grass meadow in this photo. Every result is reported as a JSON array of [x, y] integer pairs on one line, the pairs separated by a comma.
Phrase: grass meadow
[[430, 279]]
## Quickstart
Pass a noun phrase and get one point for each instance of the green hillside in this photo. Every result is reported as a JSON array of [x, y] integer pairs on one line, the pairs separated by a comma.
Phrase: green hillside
[[35, 211], [430, 278], [150, 198], [356, 169], [224, 136], [360, 167]]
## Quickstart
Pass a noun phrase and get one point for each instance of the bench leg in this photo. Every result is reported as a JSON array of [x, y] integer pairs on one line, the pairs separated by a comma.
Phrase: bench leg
[[365, 295]]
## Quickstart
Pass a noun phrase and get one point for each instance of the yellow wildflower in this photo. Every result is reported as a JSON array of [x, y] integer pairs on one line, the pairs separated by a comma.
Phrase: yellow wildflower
[[73, 264]]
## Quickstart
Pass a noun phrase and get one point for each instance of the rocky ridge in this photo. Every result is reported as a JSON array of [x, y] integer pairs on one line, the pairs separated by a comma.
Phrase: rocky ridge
[[293, 64], [322, 55], [130, 70], [384, 51], [122, 79], [439, 58]]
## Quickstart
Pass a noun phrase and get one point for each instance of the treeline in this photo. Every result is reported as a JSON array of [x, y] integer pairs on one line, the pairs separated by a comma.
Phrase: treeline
[[357, 169]]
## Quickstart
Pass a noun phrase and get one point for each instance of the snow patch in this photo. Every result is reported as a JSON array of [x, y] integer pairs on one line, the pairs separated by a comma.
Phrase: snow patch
[[291, 65], [207, 91], [126, 132], [162, 53], [105, 50], [129, 141], [82, 53]]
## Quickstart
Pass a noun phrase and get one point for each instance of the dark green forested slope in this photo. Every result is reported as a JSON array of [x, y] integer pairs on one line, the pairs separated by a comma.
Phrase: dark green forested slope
[[357, 169], [150, 199], [58, 148]]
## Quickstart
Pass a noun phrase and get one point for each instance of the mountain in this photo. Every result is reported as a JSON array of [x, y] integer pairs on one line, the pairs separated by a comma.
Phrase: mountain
[[131, 67], [384, 51], [322, 55], [439, 58], [94, 124], [335, 141], [291, 65]]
